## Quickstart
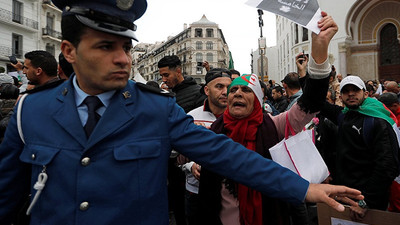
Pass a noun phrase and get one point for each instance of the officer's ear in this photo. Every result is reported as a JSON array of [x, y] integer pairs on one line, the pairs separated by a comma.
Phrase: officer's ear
[[39, 71], [69, 51], [179, 70]]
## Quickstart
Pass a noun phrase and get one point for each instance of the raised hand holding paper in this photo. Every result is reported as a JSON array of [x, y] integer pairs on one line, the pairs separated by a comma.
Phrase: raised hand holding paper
[[303, 12]]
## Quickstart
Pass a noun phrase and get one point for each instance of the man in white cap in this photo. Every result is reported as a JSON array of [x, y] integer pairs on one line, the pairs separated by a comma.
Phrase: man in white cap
[[97, 152], [367, 147]]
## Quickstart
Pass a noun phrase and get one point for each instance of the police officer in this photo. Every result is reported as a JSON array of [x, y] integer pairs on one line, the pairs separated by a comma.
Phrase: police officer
[[94, 150]]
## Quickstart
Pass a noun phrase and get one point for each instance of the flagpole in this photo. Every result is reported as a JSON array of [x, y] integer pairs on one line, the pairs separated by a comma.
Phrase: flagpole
[[261, 42]]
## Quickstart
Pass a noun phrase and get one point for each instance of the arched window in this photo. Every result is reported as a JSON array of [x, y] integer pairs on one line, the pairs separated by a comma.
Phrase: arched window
[[210, 57], [389, 44], [199, 45]]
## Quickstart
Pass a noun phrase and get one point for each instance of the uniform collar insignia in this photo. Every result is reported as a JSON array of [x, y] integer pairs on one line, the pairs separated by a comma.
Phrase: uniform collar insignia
[[126, 94], [125, 4], [65, 91]]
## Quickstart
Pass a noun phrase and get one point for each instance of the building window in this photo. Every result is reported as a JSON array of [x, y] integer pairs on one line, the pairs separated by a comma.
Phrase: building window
[[209, 45], [389, 46], [17, 45], [198, 33], [296, 34], [199, 57], [17, 11], [49, 22], [287, 42], [305, 34], [210, 33], [210, 57], [51, 49], [199, 45]]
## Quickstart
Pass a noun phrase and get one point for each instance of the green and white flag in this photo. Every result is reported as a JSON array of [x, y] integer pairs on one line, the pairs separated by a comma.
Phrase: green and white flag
[[251, 81], [375, 108]]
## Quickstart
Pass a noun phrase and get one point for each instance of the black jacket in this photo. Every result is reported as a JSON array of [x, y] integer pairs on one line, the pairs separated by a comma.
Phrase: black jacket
[[281, 104], [188, 94], [369, 167]]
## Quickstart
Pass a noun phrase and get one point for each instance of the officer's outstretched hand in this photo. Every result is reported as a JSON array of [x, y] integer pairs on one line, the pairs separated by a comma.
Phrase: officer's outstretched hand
[[330, 194], [321, 41]]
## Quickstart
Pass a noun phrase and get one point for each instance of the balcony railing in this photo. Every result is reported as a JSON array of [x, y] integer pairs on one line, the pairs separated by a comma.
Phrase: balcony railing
[[8, 16], [50, 32]]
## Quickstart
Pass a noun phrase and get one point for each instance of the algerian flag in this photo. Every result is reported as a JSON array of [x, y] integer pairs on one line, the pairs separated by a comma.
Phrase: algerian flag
[[231, 63], [251, 81], [303, 12], [375, 108]]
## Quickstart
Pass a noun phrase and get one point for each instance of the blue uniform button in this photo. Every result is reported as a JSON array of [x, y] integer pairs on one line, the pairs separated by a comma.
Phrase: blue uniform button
[[85, 161], [84, 206]]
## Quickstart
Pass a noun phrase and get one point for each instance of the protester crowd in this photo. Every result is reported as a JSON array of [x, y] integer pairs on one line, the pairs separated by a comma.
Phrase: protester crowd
[[367, 160], [99, 149]]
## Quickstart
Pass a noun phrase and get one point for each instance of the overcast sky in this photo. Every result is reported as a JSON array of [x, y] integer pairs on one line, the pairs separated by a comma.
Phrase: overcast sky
[[238, 21]]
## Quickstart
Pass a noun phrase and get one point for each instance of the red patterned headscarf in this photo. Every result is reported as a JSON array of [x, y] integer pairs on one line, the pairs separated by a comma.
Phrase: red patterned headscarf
[[244, 132]]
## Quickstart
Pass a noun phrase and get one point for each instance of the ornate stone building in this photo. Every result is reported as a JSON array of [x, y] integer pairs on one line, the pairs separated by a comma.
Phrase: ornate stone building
[[367, 43], [201, 41], [372, 49]]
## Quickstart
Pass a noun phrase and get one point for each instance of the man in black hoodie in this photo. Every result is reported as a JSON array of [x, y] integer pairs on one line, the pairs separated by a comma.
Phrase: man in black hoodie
[[281, 102], [188, 96], [187, 91]]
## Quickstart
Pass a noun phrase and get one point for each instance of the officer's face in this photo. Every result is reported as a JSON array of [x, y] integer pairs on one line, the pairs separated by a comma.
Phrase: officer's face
[[102, 62], [352, 96]]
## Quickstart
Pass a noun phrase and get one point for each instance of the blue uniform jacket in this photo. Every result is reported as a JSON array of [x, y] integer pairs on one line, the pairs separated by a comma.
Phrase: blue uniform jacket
[[120, 172]]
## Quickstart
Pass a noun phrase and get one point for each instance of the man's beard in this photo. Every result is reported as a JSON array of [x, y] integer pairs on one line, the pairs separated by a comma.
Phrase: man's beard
[[352, 106], [355, 106], [215, 102]]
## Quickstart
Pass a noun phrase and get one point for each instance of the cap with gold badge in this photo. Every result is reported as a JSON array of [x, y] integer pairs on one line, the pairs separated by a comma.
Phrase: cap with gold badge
[[111, 16]]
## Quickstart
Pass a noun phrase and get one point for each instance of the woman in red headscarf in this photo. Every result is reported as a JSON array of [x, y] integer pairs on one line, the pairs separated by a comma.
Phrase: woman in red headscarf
[[224, 201]]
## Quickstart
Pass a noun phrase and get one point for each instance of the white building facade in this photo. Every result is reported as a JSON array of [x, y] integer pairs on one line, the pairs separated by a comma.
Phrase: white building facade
[[201, 41], [27, 25], [367, 43]]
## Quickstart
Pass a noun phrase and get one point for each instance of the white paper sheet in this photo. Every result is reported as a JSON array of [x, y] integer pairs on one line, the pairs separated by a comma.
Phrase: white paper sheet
[[336, 221], [303, 12]]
